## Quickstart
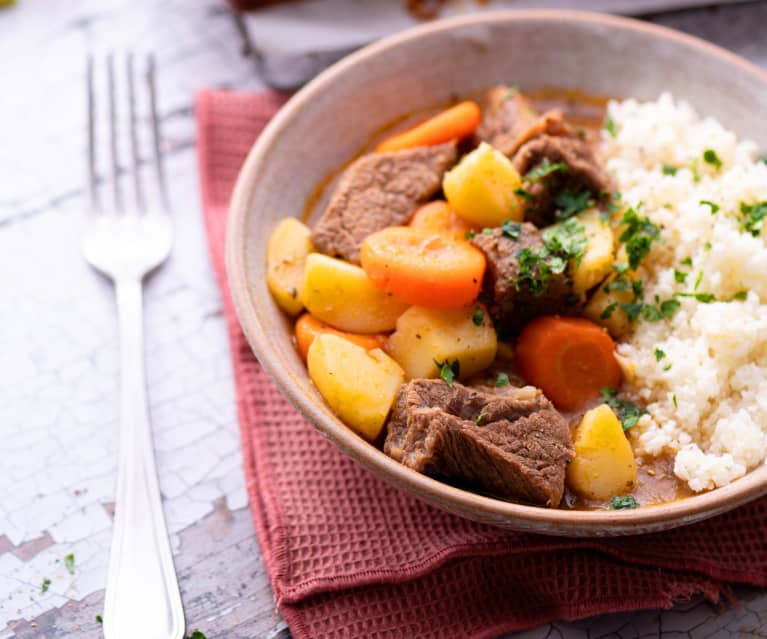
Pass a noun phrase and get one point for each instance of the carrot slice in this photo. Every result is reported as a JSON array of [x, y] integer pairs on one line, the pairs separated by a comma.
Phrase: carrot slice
[[422, 267], [455, 123], [569, 358], [308, 327], [440, 217]]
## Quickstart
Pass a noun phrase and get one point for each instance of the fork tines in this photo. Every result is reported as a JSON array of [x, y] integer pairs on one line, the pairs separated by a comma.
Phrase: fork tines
[[134, 73]]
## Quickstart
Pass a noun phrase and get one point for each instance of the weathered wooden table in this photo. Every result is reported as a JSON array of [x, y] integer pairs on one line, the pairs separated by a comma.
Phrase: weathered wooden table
[[58, 378]]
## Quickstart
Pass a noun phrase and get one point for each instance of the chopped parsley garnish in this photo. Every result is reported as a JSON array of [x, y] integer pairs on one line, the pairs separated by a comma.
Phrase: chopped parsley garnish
[[632, 310], [668, 169], [753, 215], [510, 93], [620, 267], [561, 243], [710, 157], [675, 402], [714, 207], [687, 261], [502, 380], [197, 634], [707, 246], [618, 284], [99, 618], [524, 194], [694, 170], [659, 354], [624, 502], [481, 417], [546, 168], [478, 317], [667, 367], [651, 313], [703, 298], [69, 563], [698, 280], [609, 310], [45, 585], [569, 203], [609, 126], [447, 371], [628, 412], [487, 231], [638, 236], [511, 229], [740, 296], [680, 276], [669, 308], [763, 159], [469, 234]]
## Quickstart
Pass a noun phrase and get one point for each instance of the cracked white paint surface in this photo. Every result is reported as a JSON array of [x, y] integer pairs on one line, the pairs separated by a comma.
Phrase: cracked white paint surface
[[58, 334]]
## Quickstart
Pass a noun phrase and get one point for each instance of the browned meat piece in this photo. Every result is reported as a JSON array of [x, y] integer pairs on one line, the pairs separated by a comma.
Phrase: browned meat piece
[[584, 173], [514, 445], [380, 190], [514, 303], [509, 120]]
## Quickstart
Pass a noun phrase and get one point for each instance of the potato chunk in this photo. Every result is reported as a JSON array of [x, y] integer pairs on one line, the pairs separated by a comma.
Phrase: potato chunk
[[604, 463], [342, 295], [597, 261], [424, 335], [481, 188], [360, 386], [286, 252]]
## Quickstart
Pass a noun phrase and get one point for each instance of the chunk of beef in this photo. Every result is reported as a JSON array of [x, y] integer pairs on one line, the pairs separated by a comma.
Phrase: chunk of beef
[[514, 302], [380, 190], [584, 173], [514, 445], [509, 120]]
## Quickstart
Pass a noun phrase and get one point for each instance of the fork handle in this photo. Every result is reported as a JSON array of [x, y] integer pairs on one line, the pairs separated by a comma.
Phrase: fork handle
[[142, 596]]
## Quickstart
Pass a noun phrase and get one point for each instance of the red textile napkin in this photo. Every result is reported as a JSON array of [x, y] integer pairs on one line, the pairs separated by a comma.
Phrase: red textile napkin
[[351, 556]]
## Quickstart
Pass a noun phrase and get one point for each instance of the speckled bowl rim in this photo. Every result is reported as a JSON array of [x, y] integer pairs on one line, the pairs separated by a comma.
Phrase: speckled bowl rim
[[471, 505]]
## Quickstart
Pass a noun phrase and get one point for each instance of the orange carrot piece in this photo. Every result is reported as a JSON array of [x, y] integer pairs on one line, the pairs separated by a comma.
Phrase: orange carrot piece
[[440, 217], [422, 267], [569, 358], [455, 123], [308, 327]]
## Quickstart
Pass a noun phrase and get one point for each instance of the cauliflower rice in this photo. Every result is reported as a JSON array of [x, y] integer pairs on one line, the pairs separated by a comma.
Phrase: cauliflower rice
[[709, 407]]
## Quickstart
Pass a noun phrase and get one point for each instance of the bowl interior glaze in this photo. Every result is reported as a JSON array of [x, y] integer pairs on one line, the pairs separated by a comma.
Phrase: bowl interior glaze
[[328, 121]]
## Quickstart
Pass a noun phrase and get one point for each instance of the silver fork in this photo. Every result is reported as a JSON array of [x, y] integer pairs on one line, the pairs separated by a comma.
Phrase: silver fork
[[125, 241]]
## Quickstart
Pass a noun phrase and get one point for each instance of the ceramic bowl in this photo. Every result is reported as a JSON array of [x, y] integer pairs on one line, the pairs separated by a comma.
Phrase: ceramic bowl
[[335, 115]]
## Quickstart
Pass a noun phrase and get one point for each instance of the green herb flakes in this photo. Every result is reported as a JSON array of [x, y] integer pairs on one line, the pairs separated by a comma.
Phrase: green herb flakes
[[687, 261], [609, 126], [698, 280], [638, 236], [469, 235], [628, 412], [710, 157], [624, 502], [99, 618], [703, 298], [659, 354], [753, 217], [544, 169], [676, 405], [680, 276], [447, 371], [651, 313], [667, 169], [569, 203], [740, 296], [45, 585], [478, 317], [197, 634], [609, 310], [669, 308], [707, 246], [618, 284], [523, 193], [632, 310], [487, 231], [511, 229], [481, 417], [666, 368], [502, 380], [69, 563], [763, 159], [714, 207]]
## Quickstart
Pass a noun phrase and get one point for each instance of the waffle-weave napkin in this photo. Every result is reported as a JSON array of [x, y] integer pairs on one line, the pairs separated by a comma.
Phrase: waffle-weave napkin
[[351, 556]]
